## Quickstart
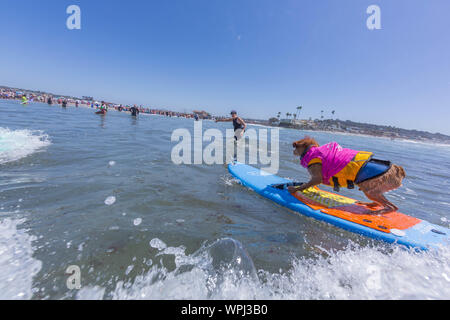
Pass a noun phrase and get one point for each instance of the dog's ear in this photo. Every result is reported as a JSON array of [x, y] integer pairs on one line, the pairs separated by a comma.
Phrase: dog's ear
[[305, 143]]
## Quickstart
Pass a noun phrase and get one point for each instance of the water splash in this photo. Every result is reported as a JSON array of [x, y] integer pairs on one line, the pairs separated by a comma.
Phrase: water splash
[[17, 265], [225, 271], [110, 200], [17, 144]]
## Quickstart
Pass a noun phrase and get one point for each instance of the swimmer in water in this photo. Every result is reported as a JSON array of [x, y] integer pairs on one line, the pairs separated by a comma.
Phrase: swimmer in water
[[103, 109]]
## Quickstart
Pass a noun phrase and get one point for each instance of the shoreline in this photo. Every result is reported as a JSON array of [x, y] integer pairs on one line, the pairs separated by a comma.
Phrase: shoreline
[[400, 139], [8, 95]]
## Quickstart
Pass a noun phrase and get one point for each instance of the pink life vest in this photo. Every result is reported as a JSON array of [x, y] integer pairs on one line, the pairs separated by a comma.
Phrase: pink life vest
[[334, 158]]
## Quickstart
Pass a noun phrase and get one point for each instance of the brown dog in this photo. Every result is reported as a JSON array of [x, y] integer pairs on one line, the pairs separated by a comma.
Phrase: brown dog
[[325, 165]]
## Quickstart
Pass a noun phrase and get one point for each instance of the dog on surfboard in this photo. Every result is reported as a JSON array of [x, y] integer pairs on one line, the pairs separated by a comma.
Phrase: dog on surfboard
[[339, 167]]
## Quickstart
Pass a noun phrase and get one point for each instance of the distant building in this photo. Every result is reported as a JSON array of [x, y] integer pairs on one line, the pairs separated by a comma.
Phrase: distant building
[[274, 121], [293, 122], [202, 114], [286, 121]]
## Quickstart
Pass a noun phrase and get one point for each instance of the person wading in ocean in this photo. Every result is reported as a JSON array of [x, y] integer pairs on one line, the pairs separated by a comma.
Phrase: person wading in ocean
[[134, 111], [239, 126]]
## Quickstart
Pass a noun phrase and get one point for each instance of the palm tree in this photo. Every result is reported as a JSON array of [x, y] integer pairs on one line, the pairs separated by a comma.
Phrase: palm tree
[[321, 114], [279, 115], [299, 108], [333, 112]]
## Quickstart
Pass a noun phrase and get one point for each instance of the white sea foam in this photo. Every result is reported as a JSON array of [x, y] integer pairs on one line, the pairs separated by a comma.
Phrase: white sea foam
[[110, 200], [91, 293], [157, 244], [225, 271], [17, 144], [229, 181], [17, 265]]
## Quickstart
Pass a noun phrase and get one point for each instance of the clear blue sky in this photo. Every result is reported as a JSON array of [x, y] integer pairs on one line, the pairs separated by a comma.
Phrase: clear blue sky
[[256, 56]]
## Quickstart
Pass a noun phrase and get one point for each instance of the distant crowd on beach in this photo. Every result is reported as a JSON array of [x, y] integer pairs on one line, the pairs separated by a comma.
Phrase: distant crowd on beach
[[90, 103], [327, 125]]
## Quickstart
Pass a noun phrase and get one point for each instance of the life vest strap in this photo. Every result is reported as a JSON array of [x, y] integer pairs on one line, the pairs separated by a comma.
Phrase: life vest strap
[[350, 184], [336, 186]]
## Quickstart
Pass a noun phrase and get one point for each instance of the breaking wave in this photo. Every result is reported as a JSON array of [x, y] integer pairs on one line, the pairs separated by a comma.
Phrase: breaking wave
[[225, 271], [17, 144], [17, 265]]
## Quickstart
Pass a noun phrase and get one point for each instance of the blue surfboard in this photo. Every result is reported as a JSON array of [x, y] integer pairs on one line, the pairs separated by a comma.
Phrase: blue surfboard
[[343, 212]]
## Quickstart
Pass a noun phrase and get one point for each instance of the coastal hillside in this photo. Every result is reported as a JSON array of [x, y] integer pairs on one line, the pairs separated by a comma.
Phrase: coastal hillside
[[348, 126]]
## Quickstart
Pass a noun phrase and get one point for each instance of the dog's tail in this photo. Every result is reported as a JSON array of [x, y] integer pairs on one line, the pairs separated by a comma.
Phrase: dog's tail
[[390, 180], [395, 176]]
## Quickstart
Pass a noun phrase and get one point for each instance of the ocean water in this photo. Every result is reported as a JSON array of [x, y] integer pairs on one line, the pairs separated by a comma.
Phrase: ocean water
[[101, 193]]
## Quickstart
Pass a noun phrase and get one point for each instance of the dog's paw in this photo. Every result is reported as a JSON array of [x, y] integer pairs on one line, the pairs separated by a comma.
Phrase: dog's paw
[[381, 212], [368, 204]]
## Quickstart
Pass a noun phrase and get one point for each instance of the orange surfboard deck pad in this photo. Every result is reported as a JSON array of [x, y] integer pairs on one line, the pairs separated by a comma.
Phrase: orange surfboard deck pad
[[348, 209]]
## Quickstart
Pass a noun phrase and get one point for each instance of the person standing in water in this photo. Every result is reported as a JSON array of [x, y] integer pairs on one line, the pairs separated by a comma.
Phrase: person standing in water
[[239, 125], [64, 103], [24, 100], [134, 111], [104, 107]]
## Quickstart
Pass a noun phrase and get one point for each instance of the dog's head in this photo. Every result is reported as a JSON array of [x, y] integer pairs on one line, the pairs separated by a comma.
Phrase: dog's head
[[301, 146]]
